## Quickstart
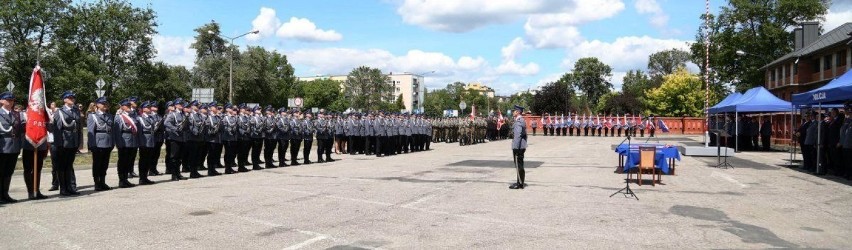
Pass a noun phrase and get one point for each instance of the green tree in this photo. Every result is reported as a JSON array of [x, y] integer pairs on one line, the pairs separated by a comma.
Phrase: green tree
[[590, 77], [399, 104], [665, 62], [107, 39], [636, 83], [681, 93], [619, 103], [157, 81], [555, 97], [436, 101], [758, 27], [321, 93], [367, 88], [27, 28]]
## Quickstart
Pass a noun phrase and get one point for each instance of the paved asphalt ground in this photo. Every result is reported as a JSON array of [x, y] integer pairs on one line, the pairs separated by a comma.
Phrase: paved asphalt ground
[[451, 197]]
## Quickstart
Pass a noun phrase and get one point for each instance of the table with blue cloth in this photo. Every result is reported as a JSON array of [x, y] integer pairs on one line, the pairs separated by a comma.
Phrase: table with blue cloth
[[664, 159]]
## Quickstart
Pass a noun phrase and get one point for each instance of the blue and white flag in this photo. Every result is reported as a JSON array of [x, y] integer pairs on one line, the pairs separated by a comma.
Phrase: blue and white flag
[[662, 126]]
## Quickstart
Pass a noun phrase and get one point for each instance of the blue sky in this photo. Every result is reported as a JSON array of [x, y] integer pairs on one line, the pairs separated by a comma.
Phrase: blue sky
[[510, 45]]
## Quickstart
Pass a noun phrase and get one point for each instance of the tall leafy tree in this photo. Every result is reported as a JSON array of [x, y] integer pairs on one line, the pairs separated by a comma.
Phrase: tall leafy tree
[[436, 101], [680, 94], [157, 81], [554, 97], [27, 29], [666, 62], [636, 83], [321, 93], [109, 39], [591, 78], [367, 88], [757, 27]]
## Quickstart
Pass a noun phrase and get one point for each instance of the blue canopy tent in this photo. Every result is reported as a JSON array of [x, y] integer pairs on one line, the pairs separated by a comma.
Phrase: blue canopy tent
[[754, 100], [728, 100], [837, 91]]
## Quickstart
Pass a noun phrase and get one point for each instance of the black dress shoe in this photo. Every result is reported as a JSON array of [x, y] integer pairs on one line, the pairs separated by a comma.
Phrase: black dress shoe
[[308, 162], [132, 174], [195, 175], [320, 161], [514, 186], [8, 199], [256, 168], [53, 188], [329, 160], [271, 166], [178, 177], [243, 170], [125, 184], [295, 163], [213, 173], [153, 173], [229, 170], [146, 182], [38, 196]]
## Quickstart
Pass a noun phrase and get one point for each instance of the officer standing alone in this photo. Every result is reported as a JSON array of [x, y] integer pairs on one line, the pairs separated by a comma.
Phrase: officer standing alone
[[519, 145]]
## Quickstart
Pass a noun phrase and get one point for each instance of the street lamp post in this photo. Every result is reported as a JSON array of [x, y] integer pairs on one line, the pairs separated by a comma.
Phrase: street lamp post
[[231, 61]]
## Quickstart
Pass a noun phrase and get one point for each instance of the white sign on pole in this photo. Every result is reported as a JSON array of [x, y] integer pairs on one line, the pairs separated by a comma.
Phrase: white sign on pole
[[100, 93], [298, 102], [314, 110], [291, 102], [10, 86], [100, 83], [203, 95]]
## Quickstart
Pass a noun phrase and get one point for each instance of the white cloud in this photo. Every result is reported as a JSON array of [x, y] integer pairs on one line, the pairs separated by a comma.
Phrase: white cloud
[[324, 61], [837, 16], [559, 30], [266, 22], [658, 17], [511, 67], [174, 50], [553, 37], [462, 16], [509, 53], [625, 53], [301, 29]]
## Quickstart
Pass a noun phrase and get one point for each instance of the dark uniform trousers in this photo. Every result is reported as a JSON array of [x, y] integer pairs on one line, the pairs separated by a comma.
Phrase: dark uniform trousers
[[157, 147], [64, 166], [269, 151], [306, 152], [175, 157], [214, 153], [231, 148], [203, 150], [282, 151], [320, 148], [243, 153], [7, 168], [368, 144], [190, 156], [294, 150], [126, 157], [381, 144], [168, 155], [100, 161], [519, 162], [27, 159], [652, 132], [147, 161], [256, 146]]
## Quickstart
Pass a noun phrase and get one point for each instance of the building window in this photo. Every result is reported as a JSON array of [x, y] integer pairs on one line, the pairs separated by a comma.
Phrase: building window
[[827, 65], [815, 65], [772, 76], [840, 59]]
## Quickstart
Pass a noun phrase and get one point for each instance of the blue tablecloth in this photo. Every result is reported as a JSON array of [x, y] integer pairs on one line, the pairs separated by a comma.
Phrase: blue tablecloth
[[661, 157]]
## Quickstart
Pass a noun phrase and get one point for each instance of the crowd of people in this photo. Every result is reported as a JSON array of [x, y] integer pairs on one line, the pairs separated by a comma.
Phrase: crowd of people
[[202, 137], [601, 126]]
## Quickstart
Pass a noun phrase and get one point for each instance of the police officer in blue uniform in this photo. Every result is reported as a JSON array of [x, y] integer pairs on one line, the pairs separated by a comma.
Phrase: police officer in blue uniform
[[159, 136], [270, 139], [245, 140], [195, 141], [10, 136], [308, 131], [295, 137], [32, 170], [213, 123], [176, 128], [283, 125], [519, 145], [125, 132], [230, 131], [147, 143], [66, 142], [257, 133], [100, 142]]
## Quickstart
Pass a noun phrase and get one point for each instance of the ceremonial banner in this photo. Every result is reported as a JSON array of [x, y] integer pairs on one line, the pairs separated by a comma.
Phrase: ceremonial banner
[[36, 114], [662, 125]]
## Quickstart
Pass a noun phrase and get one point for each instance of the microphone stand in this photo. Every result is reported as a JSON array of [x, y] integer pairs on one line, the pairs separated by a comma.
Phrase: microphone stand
[[626, 190]]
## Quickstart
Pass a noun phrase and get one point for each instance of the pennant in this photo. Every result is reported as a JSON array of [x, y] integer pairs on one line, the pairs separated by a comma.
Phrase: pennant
[[36, 110]]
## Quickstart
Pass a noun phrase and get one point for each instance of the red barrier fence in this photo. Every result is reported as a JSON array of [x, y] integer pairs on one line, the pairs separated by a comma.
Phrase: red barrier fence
[[781, 128]]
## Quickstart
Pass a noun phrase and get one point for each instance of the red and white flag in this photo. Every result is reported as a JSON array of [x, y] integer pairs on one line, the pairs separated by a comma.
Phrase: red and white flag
[[36, 110]]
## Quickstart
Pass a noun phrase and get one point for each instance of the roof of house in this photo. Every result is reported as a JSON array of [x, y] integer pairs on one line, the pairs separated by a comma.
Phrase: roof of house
[[833, 37]]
